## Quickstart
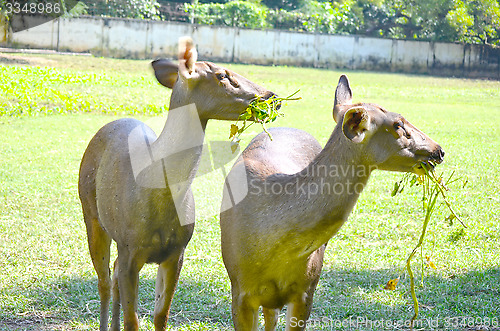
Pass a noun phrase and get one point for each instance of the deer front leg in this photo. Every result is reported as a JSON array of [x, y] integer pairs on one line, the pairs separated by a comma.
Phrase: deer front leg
[[300, 308], [245, 315], [298, 313], [270, 318], [166, 282], [128, 282]]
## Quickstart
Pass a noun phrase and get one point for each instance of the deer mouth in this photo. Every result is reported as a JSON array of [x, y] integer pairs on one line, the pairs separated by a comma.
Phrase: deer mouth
[[262, 109], [423, 168], [270, 98], [435, 158], [275, 100]]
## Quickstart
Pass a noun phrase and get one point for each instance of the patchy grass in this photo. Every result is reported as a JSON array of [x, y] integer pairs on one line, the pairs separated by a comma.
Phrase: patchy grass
[[57, 89], [46, 277]]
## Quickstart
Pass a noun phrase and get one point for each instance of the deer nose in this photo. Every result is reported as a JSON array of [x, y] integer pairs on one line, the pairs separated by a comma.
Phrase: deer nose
[[272, 95], [269, 95], [438, 155]]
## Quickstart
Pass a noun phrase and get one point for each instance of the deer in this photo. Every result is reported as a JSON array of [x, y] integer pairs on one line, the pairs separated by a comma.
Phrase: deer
[[140, 205], [298, 195]]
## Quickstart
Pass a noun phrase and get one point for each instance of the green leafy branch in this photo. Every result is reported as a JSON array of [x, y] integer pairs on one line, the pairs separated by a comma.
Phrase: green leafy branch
[[432, 187], [260, 111]]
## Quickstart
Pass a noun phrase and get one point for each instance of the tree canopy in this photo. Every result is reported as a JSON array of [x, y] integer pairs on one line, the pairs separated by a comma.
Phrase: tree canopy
[[467, 21]]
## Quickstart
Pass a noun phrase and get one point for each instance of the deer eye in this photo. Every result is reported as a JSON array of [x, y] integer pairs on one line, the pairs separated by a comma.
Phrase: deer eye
[[399, 125], [221, 75]]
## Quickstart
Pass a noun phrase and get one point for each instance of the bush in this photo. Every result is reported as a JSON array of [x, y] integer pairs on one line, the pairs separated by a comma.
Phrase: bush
[[234, 13], [141, 9], [286, 20]]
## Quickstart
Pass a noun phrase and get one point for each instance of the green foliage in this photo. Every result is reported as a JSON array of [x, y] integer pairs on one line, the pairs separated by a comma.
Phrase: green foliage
[[234, 13], [260, 111], [287, 20], [476, 21], [141, 9], [435, 20], [284, 4], [325, 18], [79, 9], [317, 17]]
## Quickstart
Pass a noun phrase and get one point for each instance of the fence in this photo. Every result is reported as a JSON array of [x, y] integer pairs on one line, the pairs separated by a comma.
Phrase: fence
[[150, 39]]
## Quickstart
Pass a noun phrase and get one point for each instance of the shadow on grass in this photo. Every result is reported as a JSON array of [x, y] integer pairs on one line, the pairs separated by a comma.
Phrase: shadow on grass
[[465, 300], [73, 304], [345, 300]]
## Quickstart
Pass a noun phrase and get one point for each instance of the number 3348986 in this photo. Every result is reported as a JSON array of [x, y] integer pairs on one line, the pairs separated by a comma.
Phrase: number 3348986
[[32, 8]]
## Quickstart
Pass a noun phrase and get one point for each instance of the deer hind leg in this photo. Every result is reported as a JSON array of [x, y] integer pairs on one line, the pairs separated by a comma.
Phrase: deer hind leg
[[99, 247], [245, 315], [166, 282], [128, 283], [115, 319], [271, 318]]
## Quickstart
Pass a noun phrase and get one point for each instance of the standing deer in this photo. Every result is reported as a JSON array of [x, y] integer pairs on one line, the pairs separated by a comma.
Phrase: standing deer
[[139, 212], [299, 195]]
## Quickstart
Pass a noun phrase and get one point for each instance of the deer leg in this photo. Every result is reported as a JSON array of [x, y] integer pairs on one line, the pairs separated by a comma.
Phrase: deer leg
[[166, 282], [298, 314], [245, 316], [128, 282], [99, 247], [115, 319], [270, 318], [300, 309]]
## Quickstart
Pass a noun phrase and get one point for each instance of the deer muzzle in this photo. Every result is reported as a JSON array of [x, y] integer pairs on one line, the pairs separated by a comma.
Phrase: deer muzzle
[[438, 155]]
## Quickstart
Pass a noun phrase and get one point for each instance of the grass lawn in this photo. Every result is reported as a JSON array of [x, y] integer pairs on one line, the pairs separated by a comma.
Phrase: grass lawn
[[51, 106]]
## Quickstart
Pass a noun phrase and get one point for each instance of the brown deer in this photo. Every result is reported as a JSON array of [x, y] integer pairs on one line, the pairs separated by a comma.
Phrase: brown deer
[[131, 200], [299, 195]]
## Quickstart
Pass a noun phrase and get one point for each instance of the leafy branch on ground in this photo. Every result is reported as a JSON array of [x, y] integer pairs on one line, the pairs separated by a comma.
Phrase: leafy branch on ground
[[433, 186]]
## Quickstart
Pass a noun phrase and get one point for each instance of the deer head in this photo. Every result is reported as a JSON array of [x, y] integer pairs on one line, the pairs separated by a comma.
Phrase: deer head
[[218, 93], [388, 140]]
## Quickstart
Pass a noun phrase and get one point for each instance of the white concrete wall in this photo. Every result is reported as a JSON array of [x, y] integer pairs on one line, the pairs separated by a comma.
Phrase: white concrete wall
[[85, 36], [150, 39]]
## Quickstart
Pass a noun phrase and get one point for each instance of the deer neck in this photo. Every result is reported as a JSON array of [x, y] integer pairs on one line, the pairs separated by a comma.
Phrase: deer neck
[[341, 173], [325, 191], [171, 161]]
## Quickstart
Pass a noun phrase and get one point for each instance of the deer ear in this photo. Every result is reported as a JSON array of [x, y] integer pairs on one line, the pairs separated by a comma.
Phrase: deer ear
[[355, 124], [343, 96], [187, 56], [166, 72]]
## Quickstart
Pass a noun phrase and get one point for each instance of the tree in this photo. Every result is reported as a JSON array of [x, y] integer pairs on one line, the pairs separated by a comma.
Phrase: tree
[[476, 21], [284, 4], [142, 9]]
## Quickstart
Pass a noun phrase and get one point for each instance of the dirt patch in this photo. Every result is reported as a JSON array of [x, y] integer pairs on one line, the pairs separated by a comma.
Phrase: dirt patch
[[24, 60], [31, 323]]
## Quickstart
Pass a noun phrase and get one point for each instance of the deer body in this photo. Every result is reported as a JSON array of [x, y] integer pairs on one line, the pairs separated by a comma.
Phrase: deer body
[[273, 241], [136, 209]]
